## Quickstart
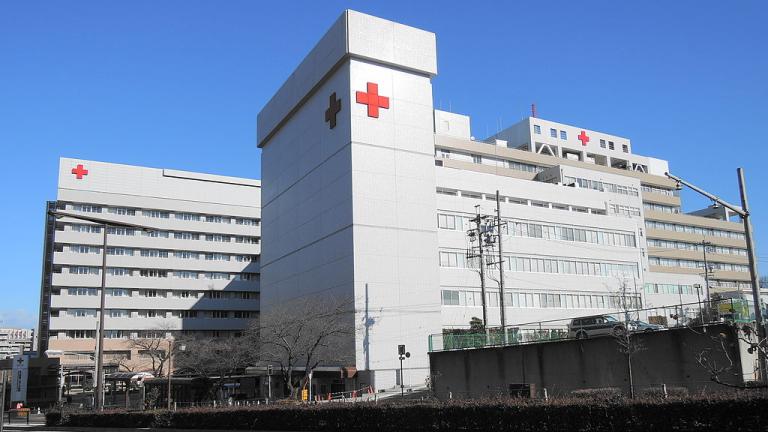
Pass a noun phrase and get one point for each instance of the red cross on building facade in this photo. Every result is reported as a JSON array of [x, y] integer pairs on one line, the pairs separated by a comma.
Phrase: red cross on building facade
[[372, 99], [583, 138], [79, 171]]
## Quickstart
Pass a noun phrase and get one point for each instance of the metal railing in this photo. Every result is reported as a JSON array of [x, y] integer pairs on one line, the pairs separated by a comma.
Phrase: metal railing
[[637, 320]]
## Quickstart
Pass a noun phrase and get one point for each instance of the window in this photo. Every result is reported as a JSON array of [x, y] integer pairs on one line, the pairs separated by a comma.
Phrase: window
[[216, 257], [450, 298], [185, 274], [156, 234], [477, 159], [537, 129], [121, 231], [187, 314], [186, 236], [247, 276], [602, 143], [119, 313], [156, 214], [82, 291], [115, 334], [154, 253], [187, 216], [86, 208], [446, 221], [242, 314], [217, 275], [124, 211], [153, 273], [118, 271], [553, 133], [81, 313], [217, 238], [83, 270], [84, 249], [213, 294], [119, 251], [186, 255], [610, 145], [85, 228], [625, 148], [118, 292], [150, 293], [563, 135], [218, 314], [81, 334], [183, 294], [247, 221]]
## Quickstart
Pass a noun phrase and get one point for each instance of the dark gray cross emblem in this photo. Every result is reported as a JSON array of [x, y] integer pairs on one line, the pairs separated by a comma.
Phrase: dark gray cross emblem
[[333, 109]]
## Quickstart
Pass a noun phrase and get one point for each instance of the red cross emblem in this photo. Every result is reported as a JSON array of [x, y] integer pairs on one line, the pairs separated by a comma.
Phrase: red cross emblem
[[373, 100], [583, 138], [79, 171]]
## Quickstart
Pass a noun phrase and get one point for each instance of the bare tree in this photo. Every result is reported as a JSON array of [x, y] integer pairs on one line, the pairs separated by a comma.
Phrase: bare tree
[[719, 361], [155, 347], [217, 358], [626, 340], [306, 332]]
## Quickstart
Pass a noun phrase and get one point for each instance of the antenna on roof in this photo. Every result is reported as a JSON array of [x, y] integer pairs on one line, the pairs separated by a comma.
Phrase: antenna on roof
[[533, 110]]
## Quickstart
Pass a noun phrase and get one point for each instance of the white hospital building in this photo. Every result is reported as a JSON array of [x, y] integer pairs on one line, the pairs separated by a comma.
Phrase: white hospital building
[[195, 273], [367, 192]]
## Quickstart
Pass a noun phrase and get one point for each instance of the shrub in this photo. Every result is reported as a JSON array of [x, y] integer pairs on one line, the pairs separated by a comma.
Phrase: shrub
[[734, 412]]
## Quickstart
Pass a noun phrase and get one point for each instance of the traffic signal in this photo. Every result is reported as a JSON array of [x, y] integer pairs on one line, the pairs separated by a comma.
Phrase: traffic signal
[[401, 349]]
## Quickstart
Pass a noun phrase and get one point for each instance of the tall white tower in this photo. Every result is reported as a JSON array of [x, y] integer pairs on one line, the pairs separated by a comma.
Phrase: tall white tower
[[348, 198]]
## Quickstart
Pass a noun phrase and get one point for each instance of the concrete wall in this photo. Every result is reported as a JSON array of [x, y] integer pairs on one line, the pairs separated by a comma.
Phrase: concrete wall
[[667, 357]]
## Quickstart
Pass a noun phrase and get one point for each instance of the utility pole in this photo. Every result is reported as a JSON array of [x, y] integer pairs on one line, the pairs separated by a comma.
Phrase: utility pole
[[501, 270], [748, 237], [477, 234]]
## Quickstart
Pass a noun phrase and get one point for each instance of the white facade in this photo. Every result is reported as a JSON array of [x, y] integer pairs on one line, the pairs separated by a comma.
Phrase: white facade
[[15, 341], [197, 271], [368, 192]]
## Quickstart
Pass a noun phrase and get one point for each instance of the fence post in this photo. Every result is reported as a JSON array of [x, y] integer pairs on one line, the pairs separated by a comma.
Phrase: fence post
[[546, 395], [664, 390]]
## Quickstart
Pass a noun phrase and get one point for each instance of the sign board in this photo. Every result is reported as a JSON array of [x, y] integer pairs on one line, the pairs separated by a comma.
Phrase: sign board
[[304, 394], [19, 378]]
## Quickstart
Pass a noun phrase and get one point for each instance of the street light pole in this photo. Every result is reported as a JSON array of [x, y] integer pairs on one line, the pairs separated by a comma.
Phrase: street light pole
[[748, 237], [98, 396]]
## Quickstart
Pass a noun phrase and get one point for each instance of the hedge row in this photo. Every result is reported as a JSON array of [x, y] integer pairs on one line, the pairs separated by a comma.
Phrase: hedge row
[[703, 414]]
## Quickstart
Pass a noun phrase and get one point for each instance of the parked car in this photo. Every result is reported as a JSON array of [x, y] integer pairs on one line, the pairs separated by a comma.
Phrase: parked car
[[642, 326], [598, 325]]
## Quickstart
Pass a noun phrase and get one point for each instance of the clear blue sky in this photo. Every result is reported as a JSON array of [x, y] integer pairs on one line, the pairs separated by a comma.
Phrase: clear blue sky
[[178, 84]]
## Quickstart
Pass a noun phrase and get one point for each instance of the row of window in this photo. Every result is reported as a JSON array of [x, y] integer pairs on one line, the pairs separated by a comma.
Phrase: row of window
[[124, 313], [158, 253], [162, 214], [652, 288], [713, 232], [698, 247], [143, 334], [539, 300], [543, 231], [552, 132], [122, 292], [156, 273], [520, 201], [488, 160], [178, 235], [675, 262], [544, 265], [624, 147], [661, 208], [625, 210], [601, 186], [658, 190], [730, 284]]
